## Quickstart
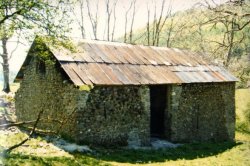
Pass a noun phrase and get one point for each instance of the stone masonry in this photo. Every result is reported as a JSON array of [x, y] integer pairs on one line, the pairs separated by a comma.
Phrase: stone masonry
[[120, 115], [201, 112], [101, 116]]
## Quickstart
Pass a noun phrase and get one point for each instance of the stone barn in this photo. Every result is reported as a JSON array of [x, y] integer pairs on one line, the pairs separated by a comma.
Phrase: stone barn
[[108, 93]]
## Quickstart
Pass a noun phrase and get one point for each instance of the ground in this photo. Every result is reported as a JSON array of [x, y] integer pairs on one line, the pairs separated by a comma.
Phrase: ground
[[39, 151]]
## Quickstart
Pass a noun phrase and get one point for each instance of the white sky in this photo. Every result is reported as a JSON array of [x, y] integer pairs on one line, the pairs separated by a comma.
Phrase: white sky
[[139, 22], [122, 5]]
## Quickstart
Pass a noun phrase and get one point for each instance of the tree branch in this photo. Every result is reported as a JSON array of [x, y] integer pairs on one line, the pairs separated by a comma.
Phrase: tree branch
[[30, 135], [18, 12]]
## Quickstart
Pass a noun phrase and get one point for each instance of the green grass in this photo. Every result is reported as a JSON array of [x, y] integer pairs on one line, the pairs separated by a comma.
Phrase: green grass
[[25, 160], [242, 99], [225, 153], [242, 104]]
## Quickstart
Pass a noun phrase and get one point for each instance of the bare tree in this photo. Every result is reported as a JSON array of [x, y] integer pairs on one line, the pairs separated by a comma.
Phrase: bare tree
[[114, 21], [158, 23], [110, 11], [161, 23], [80, 21], [132, 22], [170, 30], [126, 22], [93, 19], [234, 17], [148, 25], [154, 24]]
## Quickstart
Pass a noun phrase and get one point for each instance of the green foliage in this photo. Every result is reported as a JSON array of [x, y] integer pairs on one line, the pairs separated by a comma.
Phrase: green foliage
[[44, 44], [26, 18], [40, 47], [86, 87], [33, 17], [40, 16], [55, 42], [4, 33]]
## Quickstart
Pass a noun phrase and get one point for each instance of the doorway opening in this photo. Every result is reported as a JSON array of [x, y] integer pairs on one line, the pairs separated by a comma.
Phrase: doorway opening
[[158, 104]]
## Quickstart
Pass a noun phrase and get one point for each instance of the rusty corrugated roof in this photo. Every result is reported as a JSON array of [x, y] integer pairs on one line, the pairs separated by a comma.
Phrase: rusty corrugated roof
[[107, 63]]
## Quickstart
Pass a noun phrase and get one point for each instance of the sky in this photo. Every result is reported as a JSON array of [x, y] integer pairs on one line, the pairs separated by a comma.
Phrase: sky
[[139, 22], [140, 15]]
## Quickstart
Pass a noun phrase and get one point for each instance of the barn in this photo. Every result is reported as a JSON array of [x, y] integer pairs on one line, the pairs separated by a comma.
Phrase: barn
[[108, 93]]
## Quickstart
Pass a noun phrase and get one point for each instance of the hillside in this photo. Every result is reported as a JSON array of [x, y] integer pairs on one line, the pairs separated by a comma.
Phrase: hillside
[[216, 40]]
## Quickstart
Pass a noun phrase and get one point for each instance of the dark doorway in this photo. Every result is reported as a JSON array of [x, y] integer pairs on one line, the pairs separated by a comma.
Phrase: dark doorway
[[158, 103]]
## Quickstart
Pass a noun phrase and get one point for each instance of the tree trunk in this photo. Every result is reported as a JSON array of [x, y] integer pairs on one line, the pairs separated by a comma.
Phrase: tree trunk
[[132, 24], [6, 85]]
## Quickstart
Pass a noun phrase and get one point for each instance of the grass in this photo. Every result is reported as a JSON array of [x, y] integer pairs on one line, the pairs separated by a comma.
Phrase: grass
[[242, 104], [242, 97], [25, 160], [225, 153]]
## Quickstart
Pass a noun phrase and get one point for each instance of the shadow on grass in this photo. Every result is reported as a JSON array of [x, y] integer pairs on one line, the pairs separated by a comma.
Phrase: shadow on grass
[[24, 160], [102, 156], [188, 152]]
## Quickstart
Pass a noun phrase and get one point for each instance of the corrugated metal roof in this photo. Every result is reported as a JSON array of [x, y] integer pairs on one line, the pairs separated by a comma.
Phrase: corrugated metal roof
[[107, 63]]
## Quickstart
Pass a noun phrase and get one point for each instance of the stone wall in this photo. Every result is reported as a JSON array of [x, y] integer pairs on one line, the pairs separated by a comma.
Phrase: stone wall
[[115, 116], [202, 112], [44, 89], [102, 116], [120, 115]]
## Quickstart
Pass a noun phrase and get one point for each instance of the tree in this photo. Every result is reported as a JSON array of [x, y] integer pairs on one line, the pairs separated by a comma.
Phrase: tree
[[154, 30], [110, 9], [80, 21], [126, 22], [46, 58], [132, 22], [233, 17], [14, 9], [114, 20], [93, 18], [86, 6], [5, 35], [40, 16]]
